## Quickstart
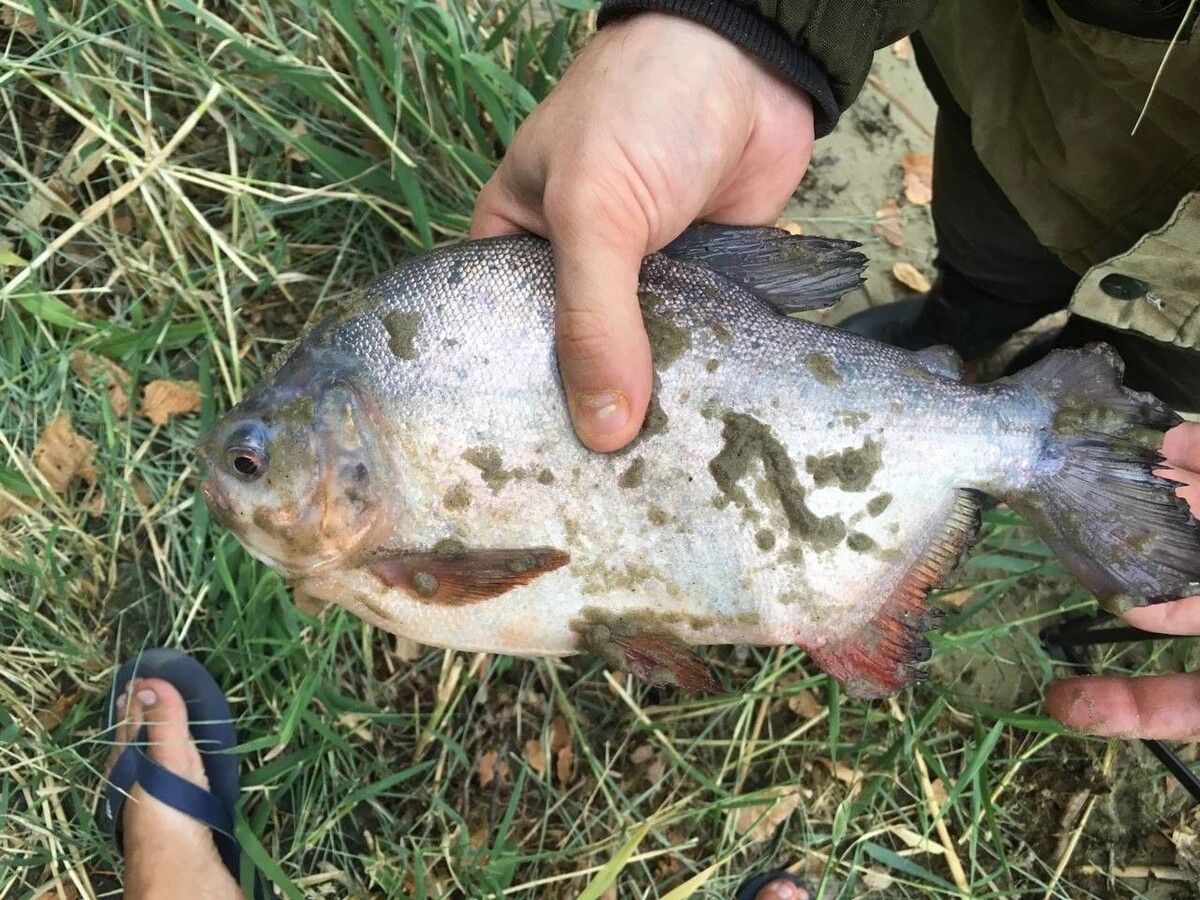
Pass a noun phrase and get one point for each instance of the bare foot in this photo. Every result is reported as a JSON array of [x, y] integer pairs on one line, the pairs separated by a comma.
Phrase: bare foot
[[779, 889], [167, 854]]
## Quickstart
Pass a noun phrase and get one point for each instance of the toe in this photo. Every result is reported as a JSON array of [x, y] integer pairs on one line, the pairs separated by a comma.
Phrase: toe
[[125, 727], [170, 742], [781, 889]]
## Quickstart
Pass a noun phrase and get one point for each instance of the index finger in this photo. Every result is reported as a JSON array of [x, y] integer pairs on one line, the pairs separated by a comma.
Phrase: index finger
[[1176, 617], [1181, 446], [1166, 707]]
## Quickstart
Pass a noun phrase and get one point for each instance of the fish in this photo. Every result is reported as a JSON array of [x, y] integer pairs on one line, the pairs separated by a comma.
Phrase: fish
[[411, 457]]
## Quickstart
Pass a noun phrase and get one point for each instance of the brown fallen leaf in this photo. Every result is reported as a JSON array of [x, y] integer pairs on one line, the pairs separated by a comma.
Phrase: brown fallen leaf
[[406, 649], [918, 178], [92, 369], [533, 755], [298, 129], [307, 603], [790, 227], [957, 599], [877, 880], [563, 763], [902, 49], [937, 790], [805, 705], [485, 767], [643, 753], [52, 716], [887, 224], [910, 276], [20, 22], [61, 455], [561, 748], [560, 733], [758, 821], [852, 778], [163, 399]]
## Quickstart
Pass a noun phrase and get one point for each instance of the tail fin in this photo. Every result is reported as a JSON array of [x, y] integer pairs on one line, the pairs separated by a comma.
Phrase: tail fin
[[1095, 499]]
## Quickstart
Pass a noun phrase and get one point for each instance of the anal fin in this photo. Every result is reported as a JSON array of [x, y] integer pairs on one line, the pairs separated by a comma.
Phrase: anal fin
[[879, 661]]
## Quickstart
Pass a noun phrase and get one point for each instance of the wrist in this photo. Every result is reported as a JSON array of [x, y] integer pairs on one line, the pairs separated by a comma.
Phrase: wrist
[[752, 33]]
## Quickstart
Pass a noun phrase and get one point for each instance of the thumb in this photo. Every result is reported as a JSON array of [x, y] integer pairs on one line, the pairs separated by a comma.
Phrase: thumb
[[603, 351]]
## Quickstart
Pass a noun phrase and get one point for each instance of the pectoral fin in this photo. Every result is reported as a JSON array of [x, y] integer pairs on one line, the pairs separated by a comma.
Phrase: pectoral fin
[[454, 575]]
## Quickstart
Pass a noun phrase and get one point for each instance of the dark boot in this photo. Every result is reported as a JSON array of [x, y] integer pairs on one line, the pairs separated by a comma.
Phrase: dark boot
[[954, 313], [994, 275]]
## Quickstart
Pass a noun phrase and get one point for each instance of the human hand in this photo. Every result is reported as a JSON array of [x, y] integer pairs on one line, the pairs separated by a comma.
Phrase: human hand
[[1166, 707], [659, 122]]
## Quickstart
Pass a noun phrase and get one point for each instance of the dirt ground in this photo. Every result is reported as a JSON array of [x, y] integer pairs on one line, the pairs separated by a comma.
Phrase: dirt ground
[[855, 170]]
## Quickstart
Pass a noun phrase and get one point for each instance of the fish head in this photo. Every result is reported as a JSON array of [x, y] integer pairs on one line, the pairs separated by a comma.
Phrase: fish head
[[298, 471]]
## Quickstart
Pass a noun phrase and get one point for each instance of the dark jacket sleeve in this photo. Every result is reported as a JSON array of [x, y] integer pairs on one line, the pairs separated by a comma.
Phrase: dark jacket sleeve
[[823, 46]]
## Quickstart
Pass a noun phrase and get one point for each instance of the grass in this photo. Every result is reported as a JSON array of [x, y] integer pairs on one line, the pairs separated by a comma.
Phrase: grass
[[184, 185]]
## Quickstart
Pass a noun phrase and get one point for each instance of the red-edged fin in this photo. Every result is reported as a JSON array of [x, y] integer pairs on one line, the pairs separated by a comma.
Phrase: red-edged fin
[[880, 660], [661, 660], [657, 657], [456, 575]]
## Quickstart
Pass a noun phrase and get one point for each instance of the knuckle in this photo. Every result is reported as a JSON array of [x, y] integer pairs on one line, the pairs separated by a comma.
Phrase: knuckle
[[585, 338]]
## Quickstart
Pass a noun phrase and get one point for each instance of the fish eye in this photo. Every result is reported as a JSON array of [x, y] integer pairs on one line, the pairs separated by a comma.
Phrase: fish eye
[[245, 453], [247, 462]]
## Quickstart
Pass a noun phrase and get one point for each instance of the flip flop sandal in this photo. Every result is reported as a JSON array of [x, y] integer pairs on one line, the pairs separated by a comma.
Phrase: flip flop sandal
[[752, 887], [211, 725]]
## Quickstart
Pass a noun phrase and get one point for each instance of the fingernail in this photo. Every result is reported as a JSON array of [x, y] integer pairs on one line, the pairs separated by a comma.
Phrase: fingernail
[[605, 412], [147, 697], [122, 702]]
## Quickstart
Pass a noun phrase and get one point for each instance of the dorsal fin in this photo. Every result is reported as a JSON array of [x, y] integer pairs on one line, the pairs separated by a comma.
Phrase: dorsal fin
[[792, 272]]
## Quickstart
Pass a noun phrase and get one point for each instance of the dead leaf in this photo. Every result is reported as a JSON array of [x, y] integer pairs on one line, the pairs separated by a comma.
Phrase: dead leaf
[[563, 763], [902, 49], [485, 768], [92, 369], [805, 705], [299, 129], [533, 755], [877, 880], [910, 276], [20, 22], [887, 224], [560, 733], [142, 492], [758, 821], [307, 603], [852, 778], [790, 227], [937, 791], [918, 178], [656, 770], [915, 841], [406, 649], [61, 455], [52, 716], [643, 753], [561, 748], [957, 599], [163, 399]]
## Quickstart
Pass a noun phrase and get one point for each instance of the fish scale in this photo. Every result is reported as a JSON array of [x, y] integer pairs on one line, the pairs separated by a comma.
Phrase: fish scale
[[793, 484]]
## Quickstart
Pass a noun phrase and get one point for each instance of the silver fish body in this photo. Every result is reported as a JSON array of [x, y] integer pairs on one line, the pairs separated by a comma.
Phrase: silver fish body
[[793, 484]]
